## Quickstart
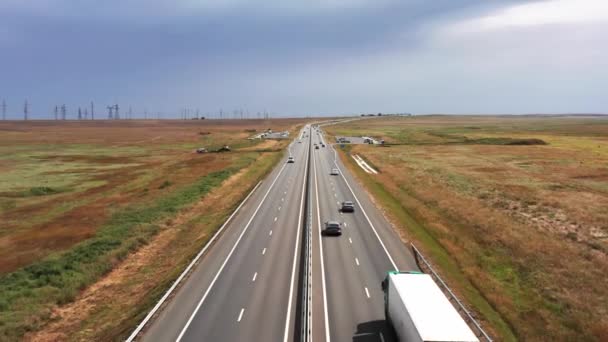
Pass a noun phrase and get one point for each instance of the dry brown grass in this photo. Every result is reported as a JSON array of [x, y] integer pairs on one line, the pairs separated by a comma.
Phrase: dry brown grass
[[527, 225]]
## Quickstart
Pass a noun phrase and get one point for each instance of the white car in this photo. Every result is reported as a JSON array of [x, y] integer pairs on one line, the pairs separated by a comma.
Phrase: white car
[[291, 160], [334, 172]]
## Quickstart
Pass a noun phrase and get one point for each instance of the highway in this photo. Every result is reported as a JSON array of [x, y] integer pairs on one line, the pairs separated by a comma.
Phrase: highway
[[246, 287]]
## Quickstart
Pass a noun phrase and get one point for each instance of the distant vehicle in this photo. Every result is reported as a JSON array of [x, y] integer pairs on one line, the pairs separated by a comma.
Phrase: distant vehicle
[[291, 160], [224, 148], [322, 145], [418, 310], [334, 172], [316, 147], [347, 207], [201, 150], [299, 141], [332, 228]]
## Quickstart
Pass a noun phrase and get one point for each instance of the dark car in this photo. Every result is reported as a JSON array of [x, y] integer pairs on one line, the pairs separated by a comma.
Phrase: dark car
[[347, 207], [332, 228], [316, 147]]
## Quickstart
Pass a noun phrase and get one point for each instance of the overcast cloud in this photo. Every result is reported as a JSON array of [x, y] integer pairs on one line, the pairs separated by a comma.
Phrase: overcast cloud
[[304, 57]]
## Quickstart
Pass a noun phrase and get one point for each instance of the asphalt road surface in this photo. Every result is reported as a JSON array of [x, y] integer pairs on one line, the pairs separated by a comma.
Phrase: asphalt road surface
[[348, 270], [246, 287]]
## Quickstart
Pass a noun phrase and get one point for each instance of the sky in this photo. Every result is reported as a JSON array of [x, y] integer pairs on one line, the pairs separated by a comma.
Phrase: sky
[[305, 57]]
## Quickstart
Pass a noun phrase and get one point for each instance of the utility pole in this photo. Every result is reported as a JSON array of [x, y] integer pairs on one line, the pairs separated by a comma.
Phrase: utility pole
[[79, 113], [86, 114], [116, 112], [110, 109], [56, 112], [25, 110], [3, 109], [63, 111], [92, 111]]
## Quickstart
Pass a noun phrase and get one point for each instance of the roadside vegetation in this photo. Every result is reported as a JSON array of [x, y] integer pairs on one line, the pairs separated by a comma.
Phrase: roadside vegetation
[[512, 210], [81, 225]]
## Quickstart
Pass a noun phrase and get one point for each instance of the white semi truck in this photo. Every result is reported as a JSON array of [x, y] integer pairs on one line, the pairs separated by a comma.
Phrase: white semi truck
[[418, 310]]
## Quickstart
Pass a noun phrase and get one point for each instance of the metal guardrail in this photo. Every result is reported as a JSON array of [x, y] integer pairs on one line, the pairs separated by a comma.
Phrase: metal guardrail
[[306, 314], [426, 267]]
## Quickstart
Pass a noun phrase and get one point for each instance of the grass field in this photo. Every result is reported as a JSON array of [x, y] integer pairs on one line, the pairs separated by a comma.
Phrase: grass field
[[84, 205], [511, 209]]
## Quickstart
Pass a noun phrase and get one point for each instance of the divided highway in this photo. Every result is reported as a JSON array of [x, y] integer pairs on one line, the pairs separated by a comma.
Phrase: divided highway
[[246, 287]]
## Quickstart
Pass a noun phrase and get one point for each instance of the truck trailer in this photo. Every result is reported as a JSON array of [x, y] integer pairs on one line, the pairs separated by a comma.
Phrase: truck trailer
[[418, 310]]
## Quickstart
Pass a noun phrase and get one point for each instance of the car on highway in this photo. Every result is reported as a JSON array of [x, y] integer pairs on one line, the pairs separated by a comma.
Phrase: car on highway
[[299, 141], [316, 147], [291, 160], [347, 207], [333, 228], [322, 145], [334, 172]]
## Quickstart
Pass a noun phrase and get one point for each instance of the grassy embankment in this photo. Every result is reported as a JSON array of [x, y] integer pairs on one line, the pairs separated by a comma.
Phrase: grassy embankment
[[519, 230], [122, 197]]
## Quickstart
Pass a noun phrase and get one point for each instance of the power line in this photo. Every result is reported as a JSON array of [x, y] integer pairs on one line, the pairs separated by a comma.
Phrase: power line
[[25, 110]]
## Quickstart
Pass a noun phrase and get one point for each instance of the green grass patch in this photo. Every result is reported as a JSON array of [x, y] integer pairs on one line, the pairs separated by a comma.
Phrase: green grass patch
[[43, 191]]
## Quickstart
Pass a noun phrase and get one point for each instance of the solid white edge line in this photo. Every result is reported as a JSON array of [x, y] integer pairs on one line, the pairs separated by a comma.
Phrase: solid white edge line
[[241, 315], [228, 257], [295, 256], [325, 314], [365, 214], [152, 312]]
